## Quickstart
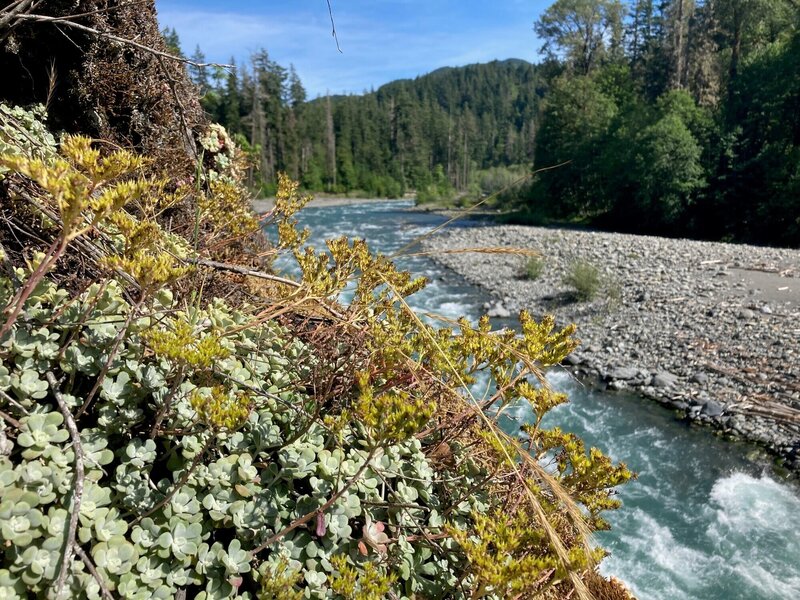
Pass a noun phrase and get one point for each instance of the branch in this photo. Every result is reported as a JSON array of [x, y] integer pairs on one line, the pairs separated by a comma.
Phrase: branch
[[10, 420], [167, 402], [111, 355], [87, 561], [78, 485], [333, 27], [187, 131], [181, 482], [12, 13], [308, 516], [241, 270], [13, 402], [118, 39]]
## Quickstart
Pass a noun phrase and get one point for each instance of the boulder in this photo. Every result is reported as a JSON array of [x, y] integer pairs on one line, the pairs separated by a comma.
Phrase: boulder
[[623, 373], [498, 311], [664, 379], [700, 378], [712, 408]]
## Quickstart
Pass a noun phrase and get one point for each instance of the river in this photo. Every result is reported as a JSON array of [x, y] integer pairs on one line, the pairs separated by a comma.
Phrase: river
[[705, 519]]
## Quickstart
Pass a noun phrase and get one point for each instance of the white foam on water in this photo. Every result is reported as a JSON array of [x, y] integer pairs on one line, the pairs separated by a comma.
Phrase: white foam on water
[[452, 309], [414, 231], [559, 378], [755, 529], [662, 567], [746, 504]]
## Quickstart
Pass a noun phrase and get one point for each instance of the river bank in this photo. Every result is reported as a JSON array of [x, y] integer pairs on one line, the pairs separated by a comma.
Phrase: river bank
[[265, 204], [708, 329]]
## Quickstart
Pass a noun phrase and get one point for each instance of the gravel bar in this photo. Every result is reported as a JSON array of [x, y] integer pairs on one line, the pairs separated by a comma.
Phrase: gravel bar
[[709, 329]]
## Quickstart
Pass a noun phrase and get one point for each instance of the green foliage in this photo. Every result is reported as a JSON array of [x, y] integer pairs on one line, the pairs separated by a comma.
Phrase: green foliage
[[582, 32], [534, 267], [667, 171], [584, 278], [23, 133], [150, 534], [352, 583], [502, 555], [179, 443], [574, 132], [385, 142], [439, 191]]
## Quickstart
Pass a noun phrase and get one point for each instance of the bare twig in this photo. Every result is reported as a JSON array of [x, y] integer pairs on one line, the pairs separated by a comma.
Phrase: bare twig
[[333, 27], [8, 15], [84, 244], [213, 264], [104, 9], [11, 420], [308, 516], [470, 209], [7, 266], [479, 250], [116, 38], [167, 402], [181, 482], [77, 493], [90, 566], [187, 131], [13, 402], [111, 356]]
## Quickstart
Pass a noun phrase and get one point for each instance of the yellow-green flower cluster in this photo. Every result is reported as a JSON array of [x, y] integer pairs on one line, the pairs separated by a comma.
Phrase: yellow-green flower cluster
[[220, 409]]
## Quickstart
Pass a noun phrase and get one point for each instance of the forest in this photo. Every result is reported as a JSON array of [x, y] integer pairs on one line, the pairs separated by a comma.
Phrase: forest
[[663, 116]]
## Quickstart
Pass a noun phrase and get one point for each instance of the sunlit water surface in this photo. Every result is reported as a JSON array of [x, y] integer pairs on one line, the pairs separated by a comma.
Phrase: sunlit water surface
[[705, 519]]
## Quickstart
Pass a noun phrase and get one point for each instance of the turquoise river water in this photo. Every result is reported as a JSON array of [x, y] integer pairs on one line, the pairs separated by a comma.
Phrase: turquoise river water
[[705, 519]]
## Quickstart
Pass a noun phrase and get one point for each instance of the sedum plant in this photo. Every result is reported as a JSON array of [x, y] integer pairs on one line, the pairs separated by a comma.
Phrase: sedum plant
[[161, 443]]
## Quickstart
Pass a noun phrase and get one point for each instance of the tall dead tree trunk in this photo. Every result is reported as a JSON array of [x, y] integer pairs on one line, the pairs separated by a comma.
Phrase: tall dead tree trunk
[[330, 134]]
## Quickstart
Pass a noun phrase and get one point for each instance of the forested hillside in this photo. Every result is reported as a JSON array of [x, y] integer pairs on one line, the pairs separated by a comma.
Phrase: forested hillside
[[435, 132], [668, 116]]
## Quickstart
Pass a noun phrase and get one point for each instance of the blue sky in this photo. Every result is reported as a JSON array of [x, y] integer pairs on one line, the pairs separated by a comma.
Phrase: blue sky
[[381, 40]]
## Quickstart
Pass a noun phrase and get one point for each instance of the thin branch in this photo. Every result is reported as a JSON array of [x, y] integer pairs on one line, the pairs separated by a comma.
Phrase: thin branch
[[181, 482], [11, 420], [308, 516], [468, 210], [105, 9], [88, 562], [77, 493], [118, 39], [167, 402], [13, 13], [333, 27], [13, 402], [85, 245], [187, 131], [213, 264], [8, 267], [111, 356]]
